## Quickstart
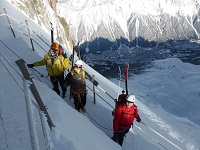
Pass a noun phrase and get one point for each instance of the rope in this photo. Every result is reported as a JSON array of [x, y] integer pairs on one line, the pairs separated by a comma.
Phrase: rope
[[25, 62], [36, 75], [105, 92], [29, 29], [11, 74], [101, 97], [98, 123], [161, 136], [32, 39], [38, 72], [10, 49], [150, 137], [41, 39], [32, 129], [93, 118], [44, 129]]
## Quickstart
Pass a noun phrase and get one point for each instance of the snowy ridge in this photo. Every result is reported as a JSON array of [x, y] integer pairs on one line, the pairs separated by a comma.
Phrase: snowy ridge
[[107, 22], [112, 19]]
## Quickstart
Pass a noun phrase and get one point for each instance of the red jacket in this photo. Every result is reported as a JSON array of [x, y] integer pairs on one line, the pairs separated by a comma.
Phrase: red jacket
[[124, 117]]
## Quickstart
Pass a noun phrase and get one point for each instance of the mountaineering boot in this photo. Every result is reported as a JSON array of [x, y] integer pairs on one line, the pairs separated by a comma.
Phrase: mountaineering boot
[[83, 110], [63, 94]]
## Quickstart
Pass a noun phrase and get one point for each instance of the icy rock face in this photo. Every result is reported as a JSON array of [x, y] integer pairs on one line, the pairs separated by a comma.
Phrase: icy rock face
[[162, 28], [106, 24], [43, 12], [140, 22]]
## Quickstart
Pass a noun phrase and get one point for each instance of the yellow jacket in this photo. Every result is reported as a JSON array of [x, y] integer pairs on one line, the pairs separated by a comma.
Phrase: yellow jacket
[[56, 67]]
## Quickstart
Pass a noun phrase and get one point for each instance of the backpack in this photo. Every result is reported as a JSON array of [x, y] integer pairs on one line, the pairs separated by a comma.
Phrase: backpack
[[120, 101], [124, 113], [61, 50]]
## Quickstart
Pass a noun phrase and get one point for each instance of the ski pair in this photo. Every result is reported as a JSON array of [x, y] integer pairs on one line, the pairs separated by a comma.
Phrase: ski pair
[[125, 77]]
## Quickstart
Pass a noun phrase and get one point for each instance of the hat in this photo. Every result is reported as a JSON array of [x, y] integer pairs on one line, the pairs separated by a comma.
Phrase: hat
[[55, 46], [79, 62], [130, 98]]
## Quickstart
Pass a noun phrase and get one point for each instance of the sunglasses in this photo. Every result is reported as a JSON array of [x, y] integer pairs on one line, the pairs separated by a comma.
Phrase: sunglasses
[[53, 49], [78, 66], [129, 102]]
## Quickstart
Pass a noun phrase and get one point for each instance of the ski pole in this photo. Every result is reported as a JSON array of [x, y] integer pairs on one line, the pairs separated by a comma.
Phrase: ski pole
[[161, 136], [38, 72], [105, 92]]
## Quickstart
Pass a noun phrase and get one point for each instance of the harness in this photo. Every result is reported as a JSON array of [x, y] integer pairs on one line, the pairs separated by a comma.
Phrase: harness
[[77, 90]]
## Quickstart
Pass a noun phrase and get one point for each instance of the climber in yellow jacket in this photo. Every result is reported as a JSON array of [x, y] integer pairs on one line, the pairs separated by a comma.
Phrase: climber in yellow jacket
[[55, 63]]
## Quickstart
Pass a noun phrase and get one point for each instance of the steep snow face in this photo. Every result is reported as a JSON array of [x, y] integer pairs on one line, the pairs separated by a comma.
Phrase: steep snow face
[[131, 20], [44, 14]]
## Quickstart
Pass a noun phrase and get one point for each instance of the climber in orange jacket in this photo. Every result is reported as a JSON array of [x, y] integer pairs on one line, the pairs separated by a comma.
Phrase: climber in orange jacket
[[123, 119]]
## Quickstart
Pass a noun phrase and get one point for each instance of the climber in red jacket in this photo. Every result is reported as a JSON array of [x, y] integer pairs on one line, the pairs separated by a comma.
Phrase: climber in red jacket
[[123, 119]]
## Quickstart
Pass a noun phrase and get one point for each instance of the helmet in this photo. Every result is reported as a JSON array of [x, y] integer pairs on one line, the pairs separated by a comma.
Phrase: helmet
[[78, 62], [55, 46], [130, 98]]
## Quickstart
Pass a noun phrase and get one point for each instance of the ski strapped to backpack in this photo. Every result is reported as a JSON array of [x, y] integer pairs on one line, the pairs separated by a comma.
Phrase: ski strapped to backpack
[[126, 77], [121, 99]]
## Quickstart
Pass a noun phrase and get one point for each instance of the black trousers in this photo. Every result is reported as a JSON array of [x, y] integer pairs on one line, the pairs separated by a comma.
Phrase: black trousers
[[121, 135], [79, 101], [55, 80]]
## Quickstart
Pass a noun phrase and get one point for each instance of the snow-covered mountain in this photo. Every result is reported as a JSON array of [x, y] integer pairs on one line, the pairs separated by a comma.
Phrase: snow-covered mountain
[[43, 12], [137, 22], [106, 24]]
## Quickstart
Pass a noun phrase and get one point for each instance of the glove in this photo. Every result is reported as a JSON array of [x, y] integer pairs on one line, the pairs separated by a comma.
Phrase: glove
[[95, 83], [113, 112], [64, 55], [65, 85], [115, 137], [30, 65], [138, 120]]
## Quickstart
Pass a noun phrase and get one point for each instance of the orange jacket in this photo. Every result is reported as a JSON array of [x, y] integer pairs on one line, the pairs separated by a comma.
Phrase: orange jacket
[[124, 117]]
